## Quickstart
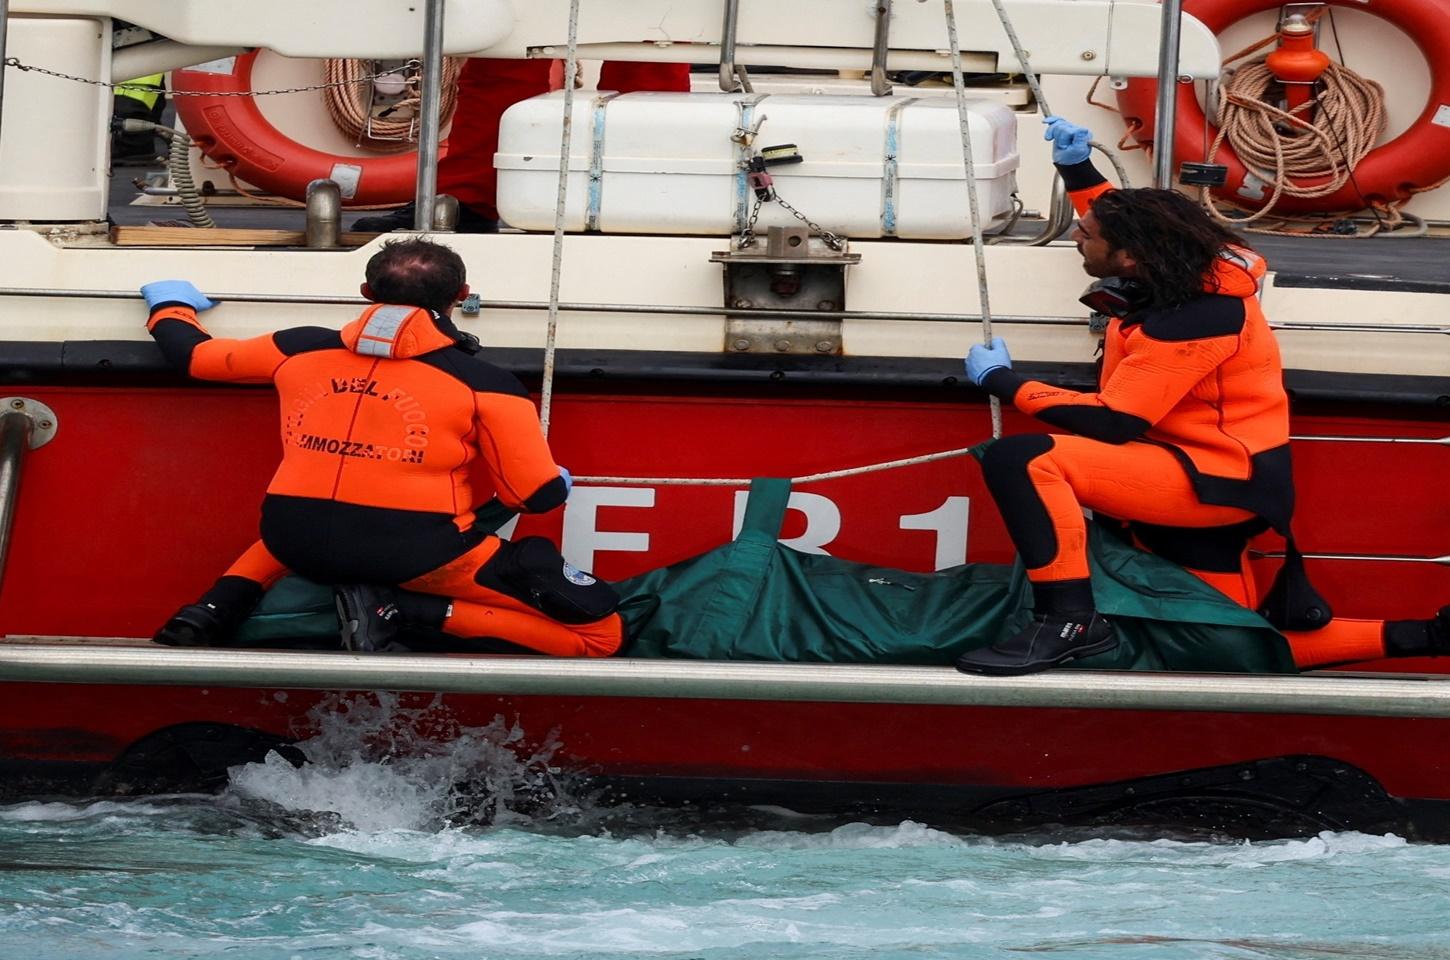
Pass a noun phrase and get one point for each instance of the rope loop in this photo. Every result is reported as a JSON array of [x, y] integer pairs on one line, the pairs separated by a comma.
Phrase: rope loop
[[1300, 158]]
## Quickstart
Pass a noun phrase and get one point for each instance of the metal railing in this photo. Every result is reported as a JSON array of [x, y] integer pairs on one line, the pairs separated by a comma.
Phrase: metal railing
[[690, 310], [34, 660]]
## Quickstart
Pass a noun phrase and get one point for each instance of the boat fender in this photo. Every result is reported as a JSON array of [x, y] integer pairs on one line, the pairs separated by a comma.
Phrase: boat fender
[[533, 570], [229, 128], [1416, 160]]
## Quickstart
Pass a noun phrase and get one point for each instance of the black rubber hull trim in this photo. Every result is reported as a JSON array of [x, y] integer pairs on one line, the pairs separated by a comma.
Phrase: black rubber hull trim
[[139, 363], [1274, 797]]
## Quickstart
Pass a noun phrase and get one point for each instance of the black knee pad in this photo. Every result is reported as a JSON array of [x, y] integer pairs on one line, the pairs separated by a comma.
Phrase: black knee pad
[[1004, 463], [532, 570], [1004, 467]]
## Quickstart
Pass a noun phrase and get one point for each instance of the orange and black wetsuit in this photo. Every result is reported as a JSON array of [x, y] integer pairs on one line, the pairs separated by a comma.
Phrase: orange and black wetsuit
[[1186, 439], [1189, 427], [380, 423]]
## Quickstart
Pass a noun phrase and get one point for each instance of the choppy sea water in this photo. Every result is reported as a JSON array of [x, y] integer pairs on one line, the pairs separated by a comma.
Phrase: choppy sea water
[[372, 851]]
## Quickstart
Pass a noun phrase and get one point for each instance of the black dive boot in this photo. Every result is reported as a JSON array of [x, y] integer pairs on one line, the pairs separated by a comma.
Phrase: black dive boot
[[1050, 640], [1064, 627], [369, 618], [212, 620], [1419, 638]]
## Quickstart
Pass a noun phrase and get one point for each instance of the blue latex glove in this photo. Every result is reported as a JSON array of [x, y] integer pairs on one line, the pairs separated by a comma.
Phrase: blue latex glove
[[568, 481], [1069, 141], [176, 291], [982, 360]]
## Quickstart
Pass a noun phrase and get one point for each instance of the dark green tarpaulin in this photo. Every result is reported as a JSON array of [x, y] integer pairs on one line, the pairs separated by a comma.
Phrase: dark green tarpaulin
[[755, 599]]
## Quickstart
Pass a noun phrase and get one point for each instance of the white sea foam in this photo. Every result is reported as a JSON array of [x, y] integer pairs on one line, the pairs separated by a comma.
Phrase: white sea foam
[[383, 766], [857, 836], [1245, 854], [61, 812]]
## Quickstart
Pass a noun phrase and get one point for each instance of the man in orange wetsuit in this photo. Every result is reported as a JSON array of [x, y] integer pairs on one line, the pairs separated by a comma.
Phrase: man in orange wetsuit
[[380, 424], [1187, 438], [486, 88]]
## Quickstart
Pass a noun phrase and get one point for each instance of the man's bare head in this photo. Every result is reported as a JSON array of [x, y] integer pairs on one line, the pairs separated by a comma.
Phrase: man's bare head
[[416, 272]]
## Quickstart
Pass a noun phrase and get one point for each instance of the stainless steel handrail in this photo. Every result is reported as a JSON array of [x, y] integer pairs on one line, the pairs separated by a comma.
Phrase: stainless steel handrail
[[1167, 112], [1383, 557], [1441, 441], [1059, 219], [729, 81], [32, 660], [427, 184], [698, 311], [880, 86], [4, 22]]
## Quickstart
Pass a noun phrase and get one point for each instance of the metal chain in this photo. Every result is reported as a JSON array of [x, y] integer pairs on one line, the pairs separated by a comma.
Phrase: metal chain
[[411, 65], [747, 235], [832, 241]]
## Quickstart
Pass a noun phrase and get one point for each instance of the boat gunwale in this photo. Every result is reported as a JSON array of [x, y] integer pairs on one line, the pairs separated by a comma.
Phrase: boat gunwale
[[113, 661]]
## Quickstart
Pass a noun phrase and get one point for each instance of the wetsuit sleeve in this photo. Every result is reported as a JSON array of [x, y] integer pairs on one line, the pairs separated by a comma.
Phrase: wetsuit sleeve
[[188, 347], [1162, 361], [517, 454], [1084, 184]]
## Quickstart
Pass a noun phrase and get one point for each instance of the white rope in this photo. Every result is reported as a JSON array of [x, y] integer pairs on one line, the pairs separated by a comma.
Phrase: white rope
[[808, 478], [571, 64], [1311, 159], [1036, 88], [978, 247]]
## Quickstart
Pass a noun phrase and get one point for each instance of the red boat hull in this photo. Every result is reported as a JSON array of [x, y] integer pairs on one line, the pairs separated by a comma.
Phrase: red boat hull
[[146, 494], [988, 765]]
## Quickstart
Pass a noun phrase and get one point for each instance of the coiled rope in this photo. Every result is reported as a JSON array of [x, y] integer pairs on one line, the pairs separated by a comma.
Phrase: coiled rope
[[1290, 151], [349, 105]]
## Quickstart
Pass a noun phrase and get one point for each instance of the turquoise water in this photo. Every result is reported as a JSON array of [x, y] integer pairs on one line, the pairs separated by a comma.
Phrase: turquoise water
[[368, 853]]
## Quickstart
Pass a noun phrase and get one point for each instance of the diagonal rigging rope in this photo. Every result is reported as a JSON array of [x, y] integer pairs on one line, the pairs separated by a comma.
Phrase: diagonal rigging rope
[[571, 65], [808, 478]]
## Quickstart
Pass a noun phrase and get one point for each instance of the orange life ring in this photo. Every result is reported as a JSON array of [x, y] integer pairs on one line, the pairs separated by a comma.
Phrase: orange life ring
[[1392, 172], [233, 132]]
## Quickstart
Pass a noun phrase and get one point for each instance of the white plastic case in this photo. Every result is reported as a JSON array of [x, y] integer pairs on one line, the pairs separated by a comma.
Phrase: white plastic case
[[669, 163]]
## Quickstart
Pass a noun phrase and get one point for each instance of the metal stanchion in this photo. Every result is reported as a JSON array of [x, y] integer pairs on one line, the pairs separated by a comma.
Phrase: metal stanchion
[[1167, 94], [4, 22], [427, 188], [25, 424], [729, 82]]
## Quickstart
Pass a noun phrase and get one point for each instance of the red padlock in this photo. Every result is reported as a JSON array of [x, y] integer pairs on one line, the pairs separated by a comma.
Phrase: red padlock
[[760, 179]]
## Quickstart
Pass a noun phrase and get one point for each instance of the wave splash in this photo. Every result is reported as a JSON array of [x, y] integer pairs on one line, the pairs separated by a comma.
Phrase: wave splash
[[378, 763]]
